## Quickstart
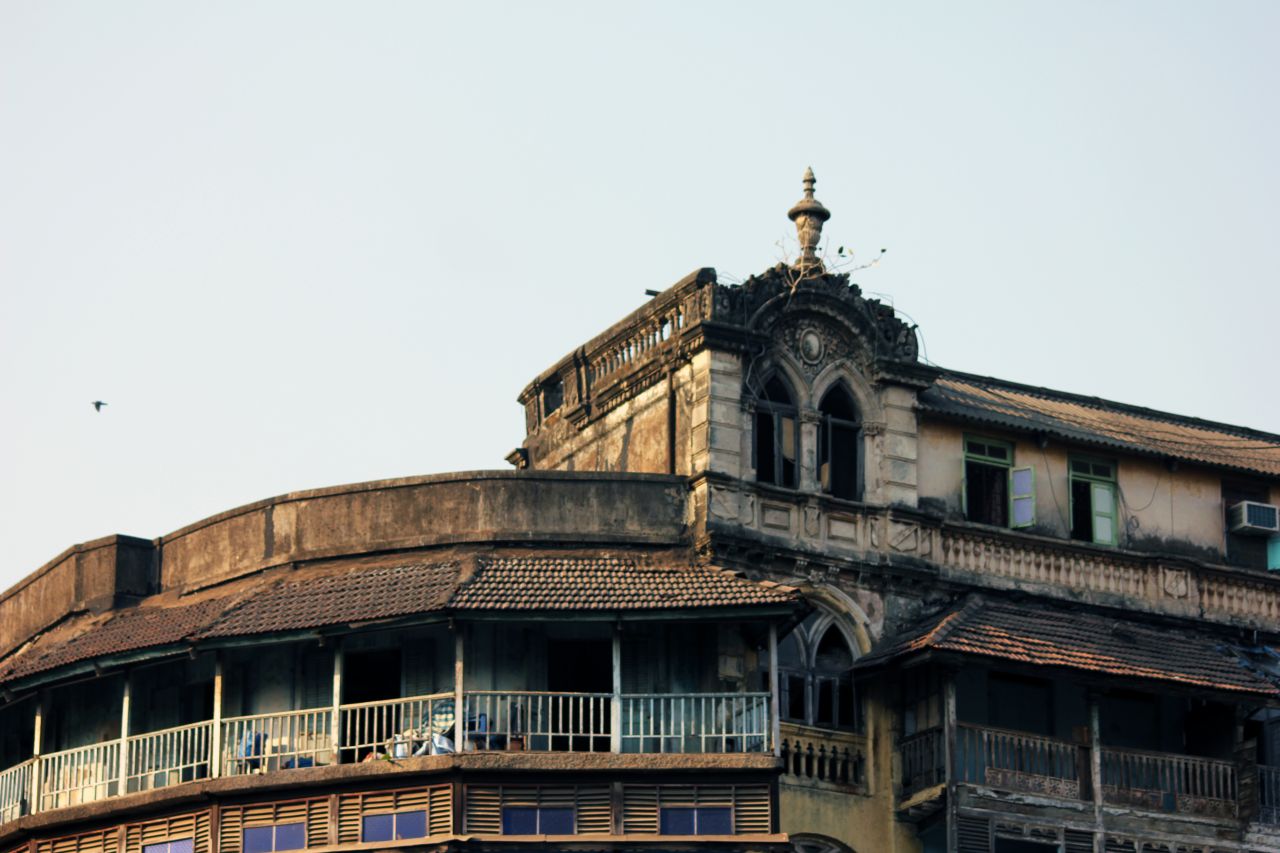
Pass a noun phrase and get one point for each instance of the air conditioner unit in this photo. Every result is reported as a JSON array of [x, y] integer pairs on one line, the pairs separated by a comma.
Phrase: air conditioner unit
[[1251, 517]]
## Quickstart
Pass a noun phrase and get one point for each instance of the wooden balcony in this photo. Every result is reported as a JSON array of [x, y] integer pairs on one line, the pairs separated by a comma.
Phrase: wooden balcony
[[1149, 781]]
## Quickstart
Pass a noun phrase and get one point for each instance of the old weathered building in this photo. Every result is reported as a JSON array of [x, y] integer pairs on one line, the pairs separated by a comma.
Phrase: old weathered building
[[763, 581]]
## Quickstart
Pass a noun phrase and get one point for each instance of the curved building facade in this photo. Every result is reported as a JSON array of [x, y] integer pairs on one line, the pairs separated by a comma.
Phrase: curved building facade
[[761, 580]]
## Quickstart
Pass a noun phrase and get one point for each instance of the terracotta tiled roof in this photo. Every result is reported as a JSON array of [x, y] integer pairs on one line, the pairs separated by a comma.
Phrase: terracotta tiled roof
[[116, 632], [354, 594], [1090, 642], [537, 583], [1102, 422], [360, 592]]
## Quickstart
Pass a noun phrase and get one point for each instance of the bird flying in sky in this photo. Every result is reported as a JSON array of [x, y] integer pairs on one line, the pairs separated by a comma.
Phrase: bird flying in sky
[[97, 405]]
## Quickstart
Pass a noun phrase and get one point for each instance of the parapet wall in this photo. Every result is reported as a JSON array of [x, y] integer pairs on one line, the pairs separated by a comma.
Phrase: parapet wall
[[502, 507]]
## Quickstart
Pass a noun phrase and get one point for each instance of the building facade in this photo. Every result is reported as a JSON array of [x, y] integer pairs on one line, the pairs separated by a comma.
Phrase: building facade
[[762, 580]]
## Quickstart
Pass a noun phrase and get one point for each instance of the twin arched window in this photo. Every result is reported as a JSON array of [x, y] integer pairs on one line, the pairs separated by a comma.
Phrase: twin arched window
[[839, 440], [815, 676]]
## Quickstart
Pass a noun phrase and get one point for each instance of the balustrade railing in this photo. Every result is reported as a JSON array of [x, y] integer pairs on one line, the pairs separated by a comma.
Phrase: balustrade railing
[[399, 728], [15, 789], [168, 757], [820, 755], [81, 775], [923, 760], [529, 720], [699, 722], [265, 743], [1269, 794], [1172, 783], [1024, 762]]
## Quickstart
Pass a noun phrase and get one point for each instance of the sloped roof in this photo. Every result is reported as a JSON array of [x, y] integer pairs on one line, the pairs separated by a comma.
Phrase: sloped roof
[[1088, 642], [542, 583], [355, 592], [1096, 421]]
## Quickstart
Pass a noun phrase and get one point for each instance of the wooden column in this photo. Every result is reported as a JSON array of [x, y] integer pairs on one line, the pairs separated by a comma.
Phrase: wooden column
[[123, 772], [33, 804], [1095, 771], [459, 709], [215, 736], [615, 706], [949, 756], [775, 696], [335, 719]]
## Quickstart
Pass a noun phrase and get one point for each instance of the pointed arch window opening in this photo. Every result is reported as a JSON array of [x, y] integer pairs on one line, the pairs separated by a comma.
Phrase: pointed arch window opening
[[815, 678], [840, 445], [776, 435]]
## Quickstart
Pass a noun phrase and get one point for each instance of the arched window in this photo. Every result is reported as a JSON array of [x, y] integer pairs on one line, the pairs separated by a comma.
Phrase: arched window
[[775, 438], [839, 445], [815, 676]]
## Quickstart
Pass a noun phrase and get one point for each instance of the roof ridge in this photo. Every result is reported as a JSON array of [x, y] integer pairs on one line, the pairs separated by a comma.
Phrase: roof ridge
[[1113, 405]]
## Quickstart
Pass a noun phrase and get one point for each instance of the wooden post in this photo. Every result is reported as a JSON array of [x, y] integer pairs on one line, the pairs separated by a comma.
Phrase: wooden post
[[1095, 770], [215, 736], [335, 718], [775, 698], [34, 805], [615, 705], [949, 757], [459, 709], [123, 769]]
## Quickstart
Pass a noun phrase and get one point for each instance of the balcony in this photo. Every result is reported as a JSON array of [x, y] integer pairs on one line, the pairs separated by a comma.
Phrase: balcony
[[523, 721], [1031, 764]]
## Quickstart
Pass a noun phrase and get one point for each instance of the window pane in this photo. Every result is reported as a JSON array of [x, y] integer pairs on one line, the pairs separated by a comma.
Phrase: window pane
[[291, 836], [715, 820], [788, 439], [995, 451], [848, 705], [411, 825], [676, 822], [555, 822], [163, 847], [519, 821], [378, 827], [1079, 466], [1103, 530], [258, 839], [824, 715], [1103, 499], [182, 845], [1024, 511], [764, 447], [795, 698], [1021, 481]]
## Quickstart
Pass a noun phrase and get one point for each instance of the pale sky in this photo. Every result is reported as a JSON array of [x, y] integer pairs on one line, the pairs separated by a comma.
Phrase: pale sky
[[298, 244]]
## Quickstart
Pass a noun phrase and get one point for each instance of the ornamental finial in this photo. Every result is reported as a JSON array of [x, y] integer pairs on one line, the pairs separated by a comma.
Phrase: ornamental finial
[[808, 215]]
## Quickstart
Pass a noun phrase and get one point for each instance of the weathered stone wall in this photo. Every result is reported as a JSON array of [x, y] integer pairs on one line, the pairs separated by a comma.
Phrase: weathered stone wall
[[367, 518]]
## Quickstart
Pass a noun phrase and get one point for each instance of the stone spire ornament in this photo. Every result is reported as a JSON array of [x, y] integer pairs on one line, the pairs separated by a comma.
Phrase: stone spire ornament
[[808, 215]]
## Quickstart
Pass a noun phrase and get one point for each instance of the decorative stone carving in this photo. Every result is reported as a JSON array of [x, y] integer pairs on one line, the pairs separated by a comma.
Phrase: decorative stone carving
[[812, 519], [905, 538], [1175, 582], [815, 344]]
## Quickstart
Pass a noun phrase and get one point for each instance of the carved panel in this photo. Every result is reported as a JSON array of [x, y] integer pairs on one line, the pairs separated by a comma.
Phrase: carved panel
[[776, 516], [1052, 786]]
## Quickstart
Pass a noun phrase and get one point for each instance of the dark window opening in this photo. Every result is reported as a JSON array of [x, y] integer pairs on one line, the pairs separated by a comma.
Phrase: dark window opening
[[820, 694], [1094, 510], [552, 396], [839, 444], [699, 820], [537, 821], [775, 436], [986, 493], [1130, 720], [1020, 704]]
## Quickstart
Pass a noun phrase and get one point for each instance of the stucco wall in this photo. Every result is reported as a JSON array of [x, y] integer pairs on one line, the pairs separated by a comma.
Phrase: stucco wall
[[1177, 511]]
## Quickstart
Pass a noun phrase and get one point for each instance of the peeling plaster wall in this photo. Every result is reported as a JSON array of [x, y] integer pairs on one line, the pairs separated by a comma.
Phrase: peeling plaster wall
[[1179, 512]]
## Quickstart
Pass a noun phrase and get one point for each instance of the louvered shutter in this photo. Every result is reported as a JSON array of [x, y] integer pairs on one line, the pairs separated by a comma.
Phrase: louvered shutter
[[436, 801], [483, 812], [440, 810], [594, 810], [751, 811], [230, 826], [1077, 841], [193, 826], [640, 809], [973, 835], [93, 842]]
